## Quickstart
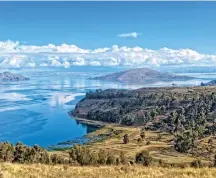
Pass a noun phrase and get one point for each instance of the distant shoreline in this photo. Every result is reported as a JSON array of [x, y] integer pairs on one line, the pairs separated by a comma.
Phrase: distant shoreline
[[97, 124]]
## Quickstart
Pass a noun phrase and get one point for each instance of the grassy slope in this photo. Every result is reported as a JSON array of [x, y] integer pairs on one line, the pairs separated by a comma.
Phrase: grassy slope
[[64, 171], [159, 149]]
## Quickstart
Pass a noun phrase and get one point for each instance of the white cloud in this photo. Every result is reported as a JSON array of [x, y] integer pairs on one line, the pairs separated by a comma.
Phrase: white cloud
[[17, 55], [78, 61], [66, 64], [126, 35], [55, 63], [100, 50]]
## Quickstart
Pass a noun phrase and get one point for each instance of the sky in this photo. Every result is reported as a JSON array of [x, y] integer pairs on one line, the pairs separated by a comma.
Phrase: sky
[[101, 26]]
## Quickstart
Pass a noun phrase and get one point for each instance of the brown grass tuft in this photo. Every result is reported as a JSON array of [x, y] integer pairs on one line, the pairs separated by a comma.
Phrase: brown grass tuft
[[62, 171]]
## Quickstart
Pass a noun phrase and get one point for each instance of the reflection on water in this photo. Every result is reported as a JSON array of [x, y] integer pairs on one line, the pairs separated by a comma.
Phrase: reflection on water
[[89, 128], [60, 99], [35, 111]]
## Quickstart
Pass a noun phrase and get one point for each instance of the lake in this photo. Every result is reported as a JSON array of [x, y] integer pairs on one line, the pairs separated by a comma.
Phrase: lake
[[36, 111]]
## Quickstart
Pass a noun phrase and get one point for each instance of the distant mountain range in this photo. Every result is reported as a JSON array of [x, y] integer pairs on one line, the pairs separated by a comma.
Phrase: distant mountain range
[[142, 75], [8, 76]]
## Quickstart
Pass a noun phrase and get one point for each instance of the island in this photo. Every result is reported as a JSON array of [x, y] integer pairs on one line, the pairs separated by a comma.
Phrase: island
[[211, 83], [8, 76], [142, 75]]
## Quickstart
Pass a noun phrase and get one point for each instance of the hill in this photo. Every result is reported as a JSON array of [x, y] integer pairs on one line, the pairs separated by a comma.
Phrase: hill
[[187, 113], [8, 76], [147, 106], [142, 75], [211, 83]]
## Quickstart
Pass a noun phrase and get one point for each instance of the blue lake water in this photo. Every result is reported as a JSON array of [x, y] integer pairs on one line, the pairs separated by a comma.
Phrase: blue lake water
[[35, 111]]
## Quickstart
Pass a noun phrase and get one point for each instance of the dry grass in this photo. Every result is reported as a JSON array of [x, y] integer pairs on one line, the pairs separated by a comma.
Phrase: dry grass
[[62, 171], [159, 149]]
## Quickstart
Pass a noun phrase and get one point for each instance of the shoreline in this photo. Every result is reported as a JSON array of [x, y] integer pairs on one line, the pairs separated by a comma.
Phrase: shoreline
[[97, 124]]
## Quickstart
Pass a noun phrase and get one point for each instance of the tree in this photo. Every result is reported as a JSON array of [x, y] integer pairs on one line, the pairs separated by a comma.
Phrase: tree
[[6, 152], [214, 126], [20, 153], [163, 109], [81, 154], [153, 113], [126, 139], [143, 158], [102, 157], [142, 135], [110, 159], [128, 119], [183, 141], [196, 163], [56, 159]]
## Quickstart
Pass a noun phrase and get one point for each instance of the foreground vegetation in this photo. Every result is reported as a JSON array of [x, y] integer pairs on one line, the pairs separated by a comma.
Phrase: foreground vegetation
[[66, 171], [116, 151], [117, 145]]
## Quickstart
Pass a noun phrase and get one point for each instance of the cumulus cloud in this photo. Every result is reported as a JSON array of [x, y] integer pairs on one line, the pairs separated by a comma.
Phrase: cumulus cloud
[[126, 35], [16, 55]]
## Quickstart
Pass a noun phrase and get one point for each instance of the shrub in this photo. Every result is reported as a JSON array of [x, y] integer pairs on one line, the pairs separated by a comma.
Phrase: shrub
[[110, 159], [36, 154], [43, 157], [210, 141], [122, 157], [143, 158], [159, 137], [56, 159], [118, 161], [20, 154], [102, 157], [160, 162], [139, 140], [6, 152], [142, 135], [94, 158], [117, 132], [126, 139], [214, 160], [183, 142], [196, 163], [128, 120], [25, 154], [81, 154], [148, 142]]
